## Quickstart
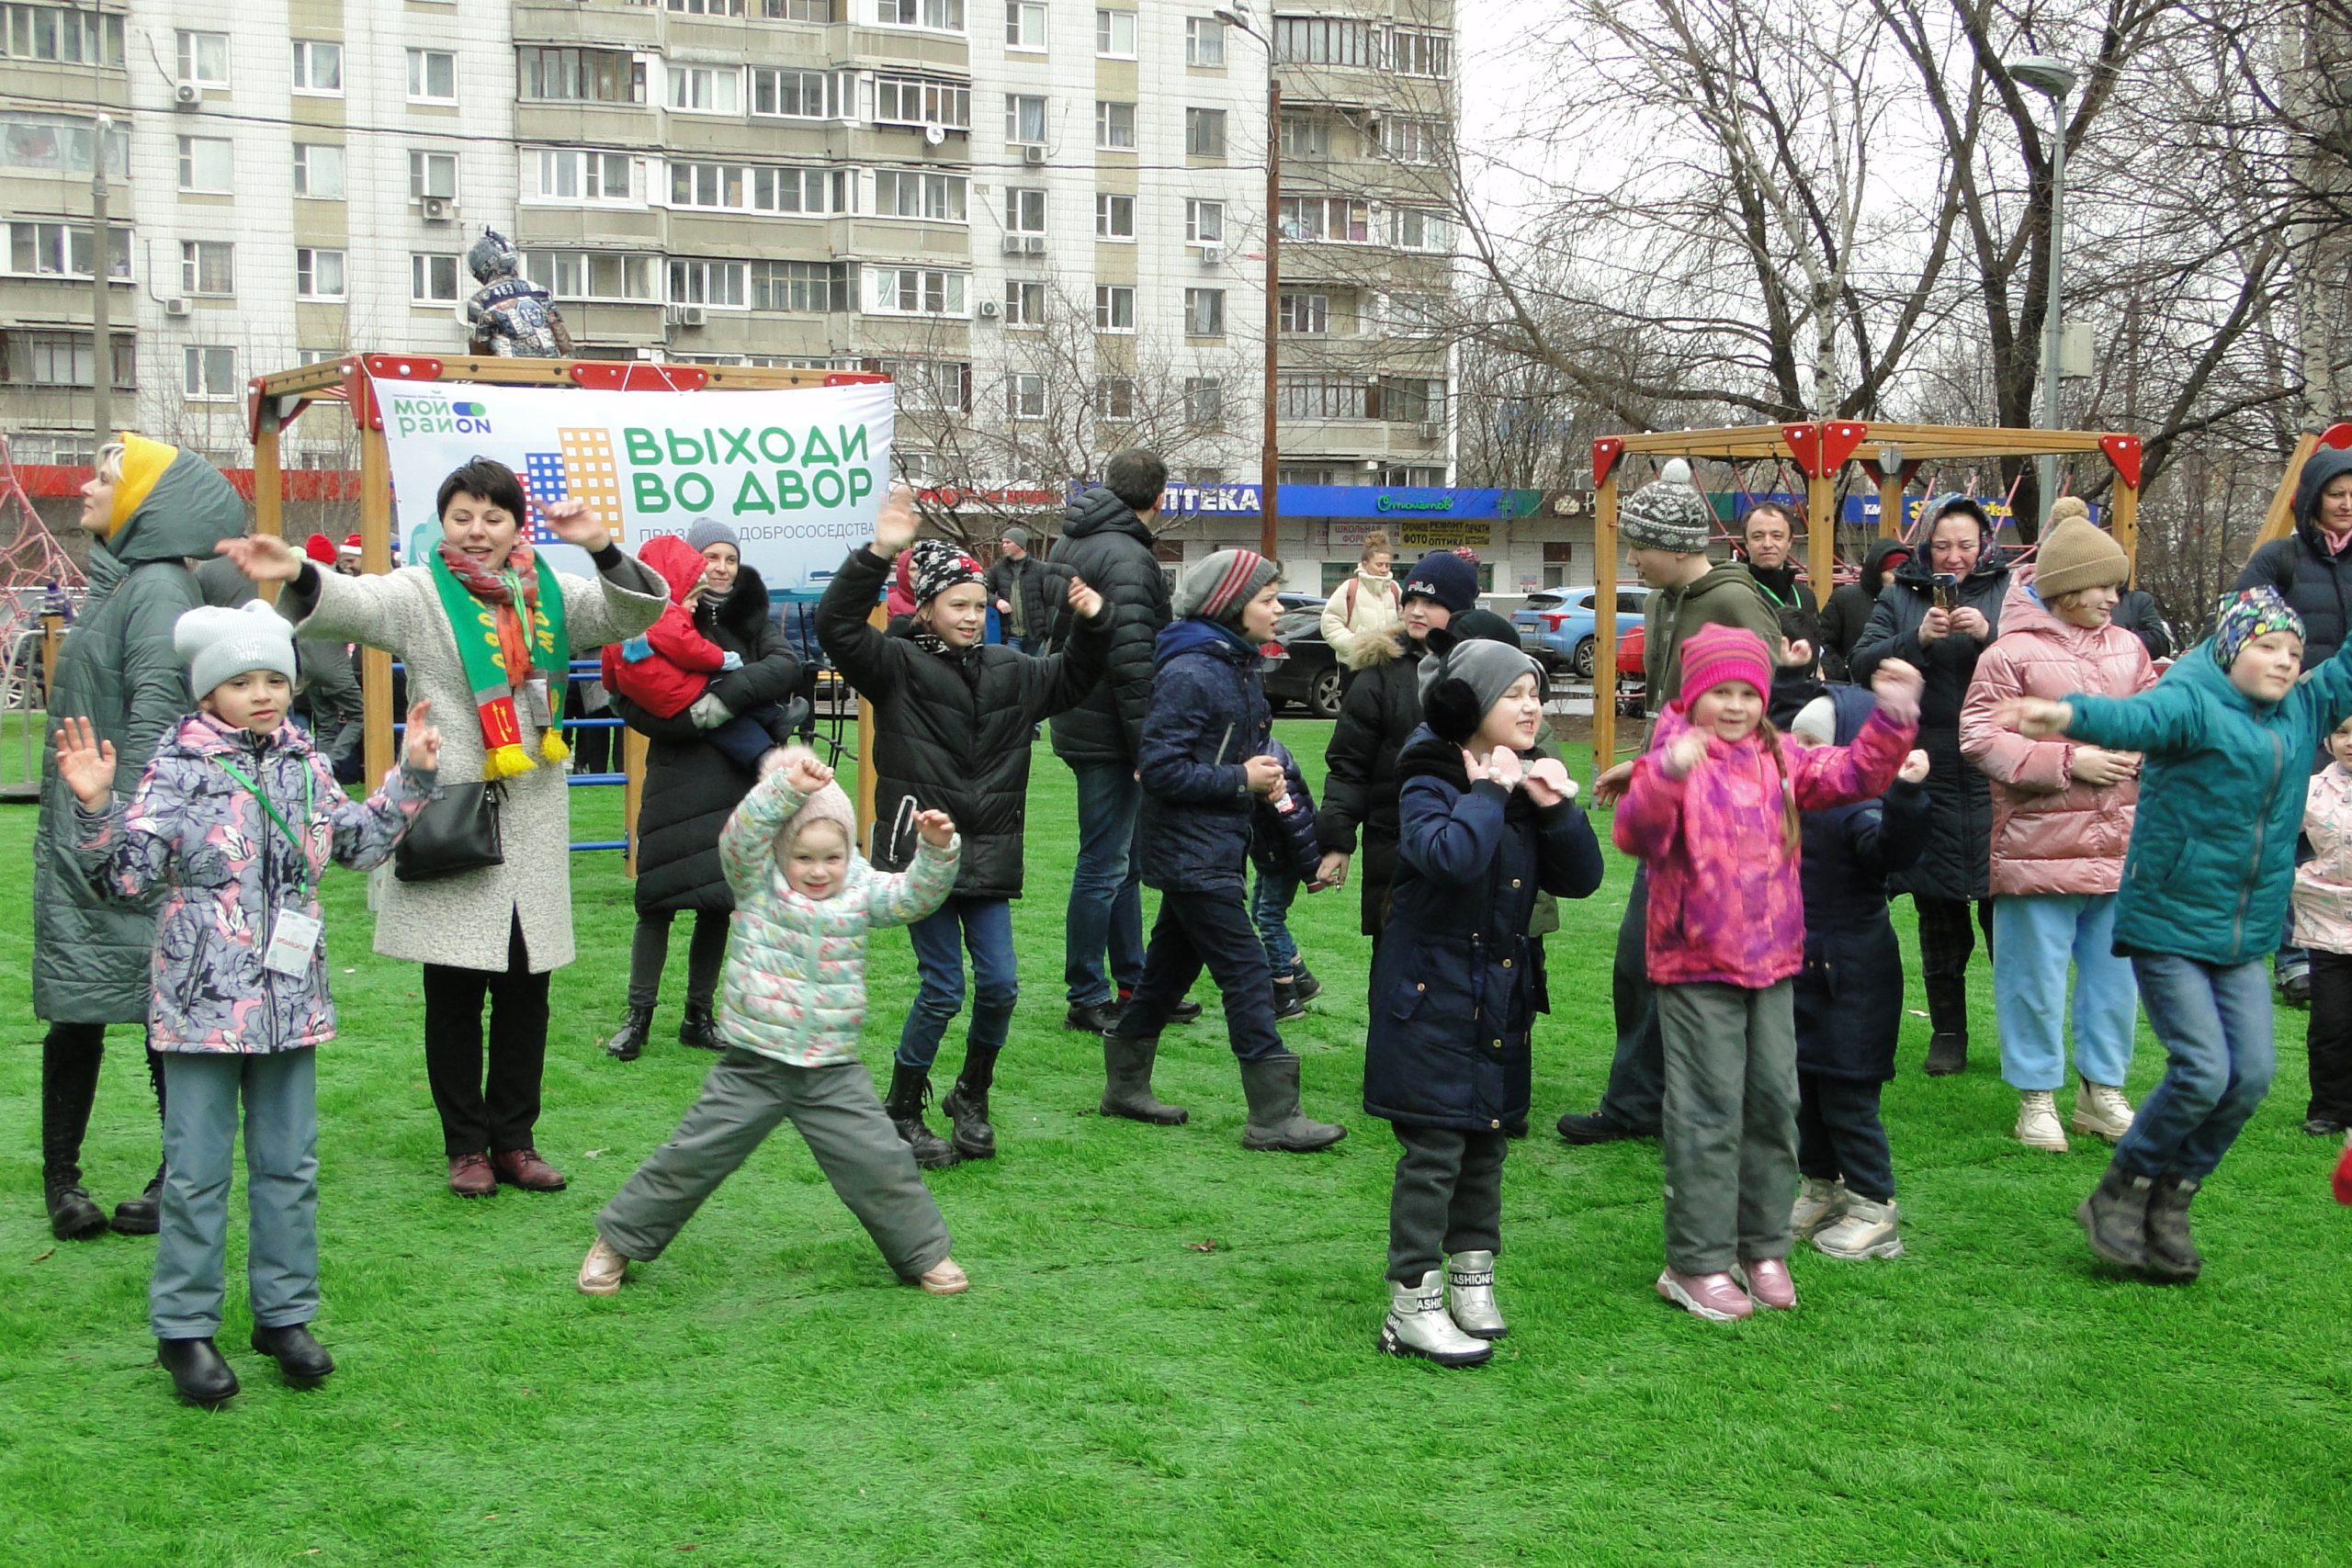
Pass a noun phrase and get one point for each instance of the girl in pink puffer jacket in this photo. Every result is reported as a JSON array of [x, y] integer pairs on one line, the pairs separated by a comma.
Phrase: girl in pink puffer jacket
[[2061, 822]]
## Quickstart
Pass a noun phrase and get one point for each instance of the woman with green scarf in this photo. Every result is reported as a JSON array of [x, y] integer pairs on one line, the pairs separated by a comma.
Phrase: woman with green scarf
[[485, 628]]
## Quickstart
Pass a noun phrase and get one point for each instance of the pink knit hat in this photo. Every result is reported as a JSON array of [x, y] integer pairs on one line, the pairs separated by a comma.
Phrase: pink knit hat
[[1713, 656]]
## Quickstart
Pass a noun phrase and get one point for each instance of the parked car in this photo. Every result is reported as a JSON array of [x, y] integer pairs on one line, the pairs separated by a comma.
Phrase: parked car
[[1633, 675], [1557, 625], [1308, 673], [1289, 600]]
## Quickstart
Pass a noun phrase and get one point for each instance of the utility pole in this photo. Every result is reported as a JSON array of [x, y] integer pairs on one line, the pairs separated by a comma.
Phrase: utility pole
[[101, 308]]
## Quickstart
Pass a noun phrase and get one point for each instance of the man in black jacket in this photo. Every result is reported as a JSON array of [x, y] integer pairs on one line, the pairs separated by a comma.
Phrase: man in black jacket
[[1768, 538], [1023, 589], [1107, 541]]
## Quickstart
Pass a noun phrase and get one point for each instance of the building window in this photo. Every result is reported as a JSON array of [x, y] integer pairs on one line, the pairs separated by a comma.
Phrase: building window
[[582, 75], [567, 174], [1024, 303], [433, 174], [1203, 222], [61, 358], [1024, 211], [1338, 219], [318, 171], [1414, 312], [209, 372], [930, 386], [1203, 400], [1321, 397], [1203, 41], [1409, 140], [1309, 314], [1204, 312], [208, 267], [940, 16], [1025, 25], [432, 281], [1025, 118], [1114, 126], [705, 89], [204, 59], [1322, 40], [1114, 307], [726, 284], [207, 165], [68, 38], [1204, 133], [1114, 34], [906, 193], [62, 250], [1409, 399], [1114, 216], [1305, 136], [594, 275], [707, 8], [1024, 396], [318, 275], [1412, 52], [801, 94], [318, 67], [917, 100], [914, 291], [432, 76], [1415, 476], [804, 288], [1114, 397], [1410, 228], [797, 10]]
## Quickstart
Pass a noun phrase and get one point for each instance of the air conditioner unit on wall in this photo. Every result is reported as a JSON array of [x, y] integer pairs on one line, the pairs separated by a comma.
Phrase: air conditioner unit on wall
[[187, 95], [1212, 255], [1430, 430], [436, 208], [1015, 246], [989, 310], [1034, 157], [176, 306], [693, 315], [1035, 244]]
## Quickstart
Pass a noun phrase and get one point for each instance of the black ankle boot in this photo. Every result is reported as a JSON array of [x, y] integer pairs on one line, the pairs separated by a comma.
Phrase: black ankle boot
[[74, 1215], [1307, 987], [197, 1370], [699, 1029], [967, 1105], [909, 1086], [299, 1357], [636, 1030], [1286, 1003], [1948, 1017], [142, 1215]]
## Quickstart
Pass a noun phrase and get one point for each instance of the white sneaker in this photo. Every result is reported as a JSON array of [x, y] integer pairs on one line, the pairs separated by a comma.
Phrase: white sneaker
[[2101, 1111], [2037, 1121], [1865, 1229], [1818, 1203], [1419, 1324]]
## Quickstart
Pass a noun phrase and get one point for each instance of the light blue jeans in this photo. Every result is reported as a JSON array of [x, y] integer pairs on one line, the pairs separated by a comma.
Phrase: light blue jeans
[[280, 1096], [2033, 939], [2215, 1022]]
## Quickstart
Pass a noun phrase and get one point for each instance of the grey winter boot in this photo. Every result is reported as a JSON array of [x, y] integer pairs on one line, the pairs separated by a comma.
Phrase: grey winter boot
[[1127, 1082], [1470, 1295], [1271, 1085], [2172, 1251], [909, 1086], [2115, 1218], [1419, 1324]]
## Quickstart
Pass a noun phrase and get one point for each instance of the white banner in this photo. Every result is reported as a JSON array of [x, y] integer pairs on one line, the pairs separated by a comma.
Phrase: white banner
[[797, 473]]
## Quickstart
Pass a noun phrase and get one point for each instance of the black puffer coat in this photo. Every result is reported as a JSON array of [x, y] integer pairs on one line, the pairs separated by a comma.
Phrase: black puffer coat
[[1106, 544], [1958, 860], [690, 789], [2315, 580], [1382, 708], [951, 733], [1848, 614]]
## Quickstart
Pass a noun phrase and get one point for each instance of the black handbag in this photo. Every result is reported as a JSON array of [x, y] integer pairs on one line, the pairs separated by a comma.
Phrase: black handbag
[[457, 830]]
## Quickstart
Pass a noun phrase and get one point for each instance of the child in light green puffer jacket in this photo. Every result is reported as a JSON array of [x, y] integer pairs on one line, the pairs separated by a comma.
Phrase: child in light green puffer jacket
[[794, 1001]]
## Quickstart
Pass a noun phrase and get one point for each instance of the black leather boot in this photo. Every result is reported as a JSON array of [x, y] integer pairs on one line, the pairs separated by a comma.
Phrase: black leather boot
[[636, 1030], [1307, 987], [299, 1357], [699, 1029], [142, 1215], [967, 1105], [909, 1086], [1286, 1003], [198, 1369], [1948, 1015], [73, 1215], [69, 1086]]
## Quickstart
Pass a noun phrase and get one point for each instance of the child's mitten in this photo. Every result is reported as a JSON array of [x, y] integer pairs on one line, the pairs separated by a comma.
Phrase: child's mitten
[[708, 712]]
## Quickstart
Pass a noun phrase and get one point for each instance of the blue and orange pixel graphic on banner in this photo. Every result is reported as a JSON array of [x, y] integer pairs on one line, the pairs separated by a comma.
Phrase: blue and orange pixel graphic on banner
[[582, 469]]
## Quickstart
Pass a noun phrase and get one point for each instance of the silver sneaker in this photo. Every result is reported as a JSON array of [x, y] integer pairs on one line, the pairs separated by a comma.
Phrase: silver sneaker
[[1470, 1295], [1419, 1324], [2101, 1112], [2037, 1121], [1863, 1230], [1818, 1202]]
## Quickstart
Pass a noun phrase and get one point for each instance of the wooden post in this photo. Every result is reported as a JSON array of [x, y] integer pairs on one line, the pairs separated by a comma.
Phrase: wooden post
[[1604, 623], [2123, 521], [633, 749], [1821, 528], [1890, 491], [2279, 520], [376, 557], [269, 486]]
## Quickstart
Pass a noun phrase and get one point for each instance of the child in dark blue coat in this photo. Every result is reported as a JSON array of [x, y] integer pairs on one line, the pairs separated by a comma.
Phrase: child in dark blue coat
[[1457, 983], [1284, 848], [1850, 996], [1204, 765]]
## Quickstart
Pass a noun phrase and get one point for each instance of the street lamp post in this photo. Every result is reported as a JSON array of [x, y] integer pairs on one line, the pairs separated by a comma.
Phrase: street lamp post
[[2053, 79], [1237, 17]]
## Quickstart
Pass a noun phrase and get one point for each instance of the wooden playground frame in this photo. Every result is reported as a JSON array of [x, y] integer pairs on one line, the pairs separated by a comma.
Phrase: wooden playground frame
[[276, 399], [1820, 449]]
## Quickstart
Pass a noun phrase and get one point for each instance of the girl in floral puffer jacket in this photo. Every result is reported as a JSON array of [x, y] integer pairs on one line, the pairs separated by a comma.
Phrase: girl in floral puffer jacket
[[235, 819], [794, 1004], [1713, 809]]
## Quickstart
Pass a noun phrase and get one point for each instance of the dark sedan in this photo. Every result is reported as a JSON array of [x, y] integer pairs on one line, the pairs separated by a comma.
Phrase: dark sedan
[[1308, 673]]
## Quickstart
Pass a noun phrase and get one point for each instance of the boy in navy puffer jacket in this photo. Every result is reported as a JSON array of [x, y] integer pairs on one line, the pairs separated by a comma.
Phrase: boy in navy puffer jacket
[[1205, 766], [1284, 848]]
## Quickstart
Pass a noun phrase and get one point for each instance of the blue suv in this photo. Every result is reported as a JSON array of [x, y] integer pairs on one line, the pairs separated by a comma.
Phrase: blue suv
[[1557, 625]]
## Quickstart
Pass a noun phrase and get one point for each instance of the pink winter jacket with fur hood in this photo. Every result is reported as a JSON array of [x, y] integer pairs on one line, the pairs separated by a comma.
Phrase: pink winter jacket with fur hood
[[2051, 833], [1726, 903]]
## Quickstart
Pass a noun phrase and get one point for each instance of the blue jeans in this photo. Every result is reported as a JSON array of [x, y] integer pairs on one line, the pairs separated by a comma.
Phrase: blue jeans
[[2215, 1022], [1106, 888], [1270, 904], [984, 926], [2033, 937]]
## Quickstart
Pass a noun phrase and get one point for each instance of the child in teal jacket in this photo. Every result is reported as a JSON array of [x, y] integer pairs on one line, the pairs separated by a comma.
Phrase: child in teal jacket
[[2227, 735]]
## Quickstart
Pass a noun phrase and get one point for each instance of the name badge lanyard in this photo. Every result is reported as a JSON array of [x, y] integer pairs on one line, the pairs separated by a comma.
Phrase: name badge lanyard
[[294, 933]]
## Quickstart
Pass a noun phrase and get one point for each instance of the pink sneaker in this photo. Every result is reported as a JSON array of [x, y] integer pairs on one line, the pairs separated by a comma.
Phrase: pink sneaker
[[1767, 1282], [1716, 1297]]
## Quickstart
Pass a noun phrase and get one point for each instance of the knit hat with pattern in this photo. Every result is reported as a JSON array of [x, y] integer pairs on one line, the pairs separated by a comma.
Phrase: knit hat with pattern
[[1215, 588], [2244, 617], [940, 565], [1713, 656], [1668, 514]]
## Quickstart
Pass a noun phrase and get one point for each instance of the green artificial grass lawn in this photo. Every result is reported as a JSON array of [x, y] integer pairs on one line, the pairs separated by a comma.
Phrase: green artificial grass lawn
[[1167, 1355]]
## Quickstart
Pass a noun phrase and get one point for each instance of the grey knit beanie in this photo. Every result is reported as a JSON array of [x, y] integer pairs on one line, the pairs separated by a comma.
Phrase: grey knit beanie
[[1458, 688], [1215, 588], [709, 531], [1668, 514], [220, 643]]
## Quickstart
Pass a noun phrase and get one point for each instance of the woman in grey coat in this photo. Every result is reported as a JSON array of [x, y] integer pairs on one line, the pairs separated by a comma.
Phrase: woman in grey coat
[[492, 936]]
